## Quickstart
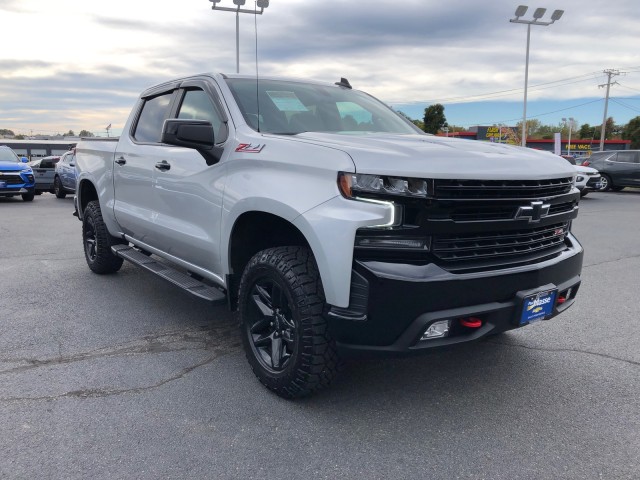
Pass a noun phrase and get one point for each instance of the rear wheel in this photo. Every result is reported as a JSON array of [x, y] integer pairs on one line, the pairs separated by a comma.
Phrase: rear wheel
[[97, 241], [285, 335], [58, 189]]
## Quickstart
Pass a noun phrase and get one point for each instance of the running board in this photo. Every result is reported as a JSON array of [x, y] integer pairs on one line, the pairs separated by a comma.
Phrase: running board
[[180, 279]]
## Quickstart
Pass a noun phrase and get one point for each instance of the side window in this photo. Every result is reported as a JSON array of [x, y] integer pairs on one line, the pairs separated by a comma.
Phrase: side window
[[626, 157], [197, 105], [154, 112]]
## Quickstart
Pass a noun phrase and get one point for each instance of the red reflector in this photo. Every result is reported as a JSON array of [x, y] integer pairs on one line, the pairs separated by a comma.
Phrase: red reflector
[[586, 163], [561, 300], [471, 322]]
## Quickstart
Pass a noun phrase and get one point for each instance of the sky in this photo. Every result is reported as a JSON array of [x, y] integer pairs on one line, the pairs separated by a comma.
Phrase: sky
[[76, 64]]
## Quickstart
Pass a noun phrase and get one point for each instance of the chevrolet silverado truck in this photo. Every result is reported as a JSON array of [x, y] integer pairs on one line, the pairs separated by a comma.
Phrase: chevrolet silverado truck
[[329, 223]]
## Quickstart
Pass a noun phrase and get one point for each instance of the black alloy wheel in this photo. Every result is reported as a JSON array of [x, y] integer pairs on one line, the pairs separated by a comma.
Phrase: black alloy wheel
[[285, 335], [271, 327], [97, 241]]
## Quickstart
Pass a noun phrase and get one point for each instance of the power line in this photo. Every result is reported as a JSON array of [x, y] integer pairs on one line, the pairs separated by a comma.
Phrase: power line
[[625, 105]]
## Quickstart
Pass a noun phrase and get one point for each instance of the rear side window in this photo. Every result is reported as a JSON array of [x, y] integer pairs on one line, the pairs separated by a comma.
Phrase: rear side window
[[154, 112], [627, 157]]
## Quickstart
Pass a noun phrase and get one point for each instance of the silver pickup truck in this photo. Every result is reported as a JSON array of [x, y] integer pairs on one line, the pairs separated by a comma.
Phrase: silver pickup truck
[[331, 224]]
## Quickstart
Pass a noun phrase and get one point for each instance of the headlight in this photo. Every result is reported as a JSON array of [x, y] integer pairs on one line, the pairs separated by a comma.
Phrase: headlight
[[353, 184]]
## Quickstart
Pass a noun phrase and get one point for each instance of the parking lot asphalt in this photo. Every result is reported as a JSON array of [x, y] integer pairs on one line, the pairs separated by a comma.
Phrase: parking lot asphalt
[[125, 376]]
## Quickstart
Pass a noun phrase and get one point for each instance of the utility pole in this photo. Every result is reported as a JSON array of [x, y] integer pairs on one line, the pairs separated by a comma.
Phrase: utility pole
[[610, 73]]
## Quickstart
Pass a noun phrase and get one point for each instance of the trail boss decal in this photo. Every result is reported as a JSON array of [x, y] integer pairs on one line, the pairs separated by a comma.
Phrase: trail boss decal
[[250, 148]]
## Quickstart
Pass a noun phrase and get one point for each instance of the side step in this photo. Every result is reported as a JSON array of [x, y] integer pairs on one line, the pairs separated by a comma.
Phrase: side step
[[180, 279]]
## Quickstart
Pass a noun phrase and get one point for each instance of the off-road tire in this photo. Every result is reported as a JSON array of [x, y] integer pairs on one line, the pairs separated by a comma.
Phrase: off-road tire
[[283, 284], [97, 241], [58, 189]]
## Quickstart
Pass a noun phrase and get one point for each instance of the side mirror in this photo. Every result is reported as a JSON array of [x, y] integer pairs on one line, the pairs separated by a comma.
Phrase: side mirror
[[195, 134], [24, 159]]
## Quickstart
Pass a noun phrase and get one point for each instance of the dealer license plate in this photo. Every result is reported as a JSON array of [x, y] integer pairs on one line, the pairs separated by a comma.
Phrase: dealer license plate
[[538, 306]]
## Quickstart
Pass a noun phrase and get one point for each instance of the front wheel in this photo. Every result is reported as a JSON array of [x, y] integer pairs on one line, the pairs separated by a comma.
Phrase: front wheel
[[97, 241], [284, 332], [605, 183], [58, 188], [584, 192], [28, 197]]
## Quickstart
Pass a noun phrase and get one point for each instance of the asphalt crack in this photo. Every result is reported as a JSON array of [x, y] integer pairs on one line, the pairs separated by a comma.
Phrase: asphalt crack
[[610, 261], [219, 341], [568, 350]]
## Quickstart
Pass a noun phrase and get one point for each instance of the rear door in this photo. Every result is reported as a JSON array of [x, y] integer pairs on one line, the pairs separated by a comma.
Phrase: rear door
[[623, 168], [187, 192], [136, 155]]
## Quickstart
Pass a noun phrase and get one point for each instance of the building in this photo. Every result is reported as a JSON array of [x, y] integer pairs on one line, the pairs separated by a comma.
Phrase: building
[[578, 147], [33, 149]]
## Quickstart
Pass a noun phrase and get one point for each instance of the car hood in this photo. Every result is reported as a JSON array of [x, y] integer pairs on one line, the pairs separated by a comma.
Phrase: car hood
[[581, 169], [13, 166], [442, 157]]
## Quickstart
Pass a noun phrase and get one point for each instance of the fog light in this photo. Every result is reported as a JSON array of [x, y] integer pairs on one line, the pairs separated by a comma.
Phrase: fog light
[[437, 330]]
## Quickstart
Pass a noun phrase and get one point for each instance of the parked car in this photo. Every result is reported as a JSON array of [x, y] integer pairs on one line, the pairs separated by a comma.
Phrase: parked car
[[16, 177], [619, 169], [44, 172], [64, 179], [588, 179]]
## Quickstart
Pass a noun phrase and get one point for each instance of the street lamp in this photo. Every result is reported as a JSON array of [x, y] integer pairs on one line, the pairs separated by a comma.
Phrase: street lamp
[[537, 15], [261, 4], [571, 122]]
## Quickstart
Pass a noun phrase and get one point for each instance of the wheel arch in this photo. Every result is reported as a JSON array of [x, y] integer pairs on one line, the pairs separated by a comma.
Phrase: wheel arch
[[252, 232], [86, 193]]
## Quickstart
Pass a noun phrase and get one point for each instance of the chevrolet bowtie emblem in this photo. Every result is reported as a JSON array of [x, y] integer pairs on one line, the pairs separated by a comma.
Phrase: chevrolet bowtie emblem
[[533, 212]]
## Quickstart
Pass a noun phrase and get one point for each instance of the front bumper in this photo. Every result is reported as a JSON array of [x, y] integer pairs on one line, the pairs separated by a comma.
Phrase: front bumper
[[395, 303]]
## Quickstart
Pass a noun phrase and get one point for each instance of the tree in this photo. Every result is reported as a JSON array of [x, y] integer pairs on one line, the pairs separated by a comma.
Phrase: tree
[[6, 132], [86, 133], [586, 131], [70, 134], [434, 119], [417, 123], [631, 132]]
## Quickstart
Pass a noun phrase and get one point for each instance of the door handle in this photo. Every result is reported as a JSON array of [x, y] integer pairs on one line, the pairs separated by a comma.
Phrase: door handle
[[121, 161], [163, 165]]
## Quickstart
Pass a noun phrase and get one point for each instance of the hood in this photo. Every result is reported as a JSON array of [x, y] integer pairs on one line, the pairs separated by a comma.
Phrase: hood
[[14, 167], [442, 157], [581, 169]]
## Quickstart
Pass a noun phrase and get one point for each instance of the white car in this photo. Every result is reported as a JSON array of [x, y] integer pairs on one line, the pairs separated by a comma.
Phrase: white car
[[587, 179]]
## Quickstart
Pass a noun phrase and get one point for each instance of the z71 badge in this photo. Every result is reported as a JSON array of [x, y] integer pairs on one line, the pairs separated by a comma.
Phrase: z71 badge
[[250, 148]]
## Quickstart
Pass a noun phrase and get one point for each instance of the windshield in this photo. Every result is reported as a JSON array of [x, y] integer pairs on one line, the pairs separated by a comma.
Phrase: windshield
[[8, 155], [288, 107]]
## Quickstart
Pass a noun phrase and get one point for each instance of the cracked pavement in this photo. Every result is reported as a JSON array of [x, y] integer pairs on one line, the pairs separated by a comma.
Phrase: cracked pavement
[[125, 376]]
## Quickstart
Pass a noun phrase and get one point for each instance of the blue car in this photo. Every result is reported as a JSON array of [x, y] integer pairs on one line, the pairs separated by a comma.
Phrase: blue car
[[16, 177], [64, 180]]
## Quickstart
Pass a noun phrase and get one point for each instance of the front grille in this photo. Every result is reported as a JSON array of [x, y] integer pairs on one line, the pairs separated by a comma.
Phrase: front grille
[[486, 212], [501, 189], [500, 244], [11, 179]]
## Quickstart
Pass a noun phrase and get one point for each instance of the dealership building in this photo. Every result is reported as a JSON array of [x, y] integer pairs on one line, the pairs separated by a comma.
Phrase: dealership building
[[34, 149], [578, 147]]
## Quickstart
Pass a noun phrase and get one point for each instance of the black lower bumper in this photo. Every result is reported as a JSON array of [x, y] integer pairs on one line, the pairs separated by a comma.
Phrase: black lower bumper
[[398, 302]]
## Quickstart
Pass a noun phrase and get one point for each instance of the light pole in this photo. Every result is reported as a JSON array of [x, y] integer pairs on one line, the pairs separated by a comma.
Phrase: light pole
[[571, 123], [261, 4], [537, 15]]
